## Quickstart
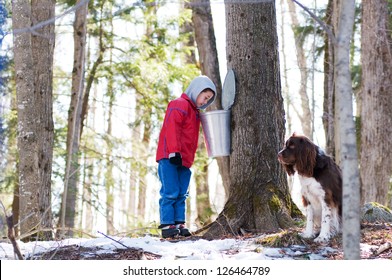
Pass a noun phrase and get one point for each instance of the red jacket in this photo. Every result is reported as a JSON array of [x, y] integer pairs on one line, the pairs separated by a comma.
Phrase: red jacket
[[180, 130]]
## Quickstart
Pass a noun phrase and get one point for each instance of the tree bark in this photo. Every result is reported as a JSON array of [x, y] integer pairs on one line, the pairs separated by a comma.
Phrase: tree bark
[[259, 200], [285, 86], [345, 129], [329, 88], [376, 109], [68, 210], [306, 116], [209, 65], [141, 208], [203, 204], [94, 69], [33, 56], [109, 179], [131, 209], [89, 197], [204, 35]]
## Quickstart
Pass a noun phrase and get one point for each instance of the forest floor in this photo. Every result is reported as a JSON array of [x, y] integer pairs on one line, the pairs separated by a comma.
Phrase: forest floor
[[375, 237]]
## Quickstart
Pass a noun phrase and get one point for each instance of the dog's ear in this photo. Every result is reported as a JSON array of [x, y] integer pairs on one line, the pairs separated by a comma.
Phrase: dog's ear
[[306, 157], [322, 161]]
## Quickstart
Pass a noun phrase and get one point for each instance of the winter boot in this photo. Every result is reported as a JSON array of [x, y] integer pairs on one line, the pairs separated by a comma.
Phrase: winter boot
[[183, 230], [169, 231]]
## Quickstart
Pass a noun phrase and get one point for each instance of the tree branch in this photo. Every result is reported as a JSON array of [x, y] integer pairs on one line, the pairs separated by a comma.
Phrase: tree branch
[[319, 21], [33, 28]]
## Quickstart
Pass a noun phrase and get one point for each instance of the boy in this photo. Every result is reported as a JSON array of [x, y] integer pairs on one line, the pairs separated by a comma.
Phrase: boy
[[176, 152]]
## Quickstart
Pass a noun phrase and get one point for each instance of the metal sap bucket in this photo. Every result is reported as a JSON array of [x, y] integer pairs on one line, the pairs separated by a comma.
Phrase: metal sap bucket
[[216, 124], [216, 130]]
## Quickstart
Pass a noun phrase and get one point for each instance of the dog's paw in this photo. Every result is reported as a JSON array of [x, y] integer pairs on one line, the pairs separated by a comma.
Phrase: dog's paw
[[306, 234], [322, 239]]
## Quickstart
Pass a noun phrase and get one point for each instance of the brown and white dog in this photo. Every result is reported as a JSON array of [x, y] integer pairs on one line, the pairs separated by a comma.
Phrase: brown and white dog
[[321, 186]]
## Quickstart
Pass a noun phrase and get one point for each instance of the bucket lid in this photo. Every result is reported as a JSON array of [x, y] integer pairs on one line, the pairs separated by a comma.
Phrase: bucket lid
[[228, 91]]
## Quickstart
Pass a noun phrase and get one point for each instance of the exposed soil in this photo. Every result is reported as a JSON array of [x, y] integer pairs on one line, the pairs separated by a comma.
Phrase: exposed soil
[[74, 252], [378, 235]]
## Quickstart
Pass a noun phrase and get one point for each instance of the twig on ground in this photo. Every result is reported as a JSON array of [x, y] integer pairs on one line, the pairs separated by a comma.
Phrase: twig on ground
[[114, 240]]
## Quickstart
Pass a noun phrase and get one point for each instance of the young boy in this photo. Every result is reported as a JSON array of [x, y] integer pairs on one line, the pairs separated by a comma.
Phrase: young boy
[[176, 152]]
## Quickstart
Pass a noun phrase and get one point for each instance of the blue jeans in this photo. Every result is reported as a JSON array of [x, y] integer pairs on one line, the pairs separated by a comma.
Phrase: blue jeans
[[174, 192]]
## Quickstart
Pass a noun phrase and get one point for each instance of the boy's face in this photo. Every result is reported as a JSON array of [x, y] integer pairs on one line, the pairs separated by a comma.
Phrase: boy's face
[[204, 97]]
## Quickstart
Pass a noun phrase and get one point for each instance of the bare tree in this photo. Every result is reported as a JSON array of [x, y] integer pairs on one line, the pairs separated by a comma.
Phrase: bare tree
[[259, 199], [345, 135], [329, 89], [109, 177], [209, 65], [202, 22], [71, 177], [376, 97], [306, 117], [33, 53]]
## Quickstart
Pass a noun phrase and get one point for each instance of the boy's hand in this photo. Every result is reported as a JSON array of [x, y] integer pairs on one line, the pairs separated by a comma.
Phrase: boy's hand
[[175, 158]]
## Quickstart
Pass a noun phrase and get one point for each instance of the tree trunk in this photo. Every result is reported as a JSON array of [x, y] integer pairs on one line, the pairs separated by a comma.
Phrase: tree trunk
[[131, 212], [259, 200], [329, 89], [109, 179], [140, 154], [11, 163], [111, 95], [209, 65], [68, 211], [89, 197], [33, 56], [143, 166], [203, 204], [94, 69], [306, 116], [376, 109], [202, 28], [15, 209], [285, 86], [345, 129]]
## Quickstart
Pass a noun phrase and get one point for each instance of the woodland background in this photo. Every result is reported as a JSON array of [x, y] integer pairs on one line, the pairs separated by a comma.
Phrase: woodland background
[[83, 97]]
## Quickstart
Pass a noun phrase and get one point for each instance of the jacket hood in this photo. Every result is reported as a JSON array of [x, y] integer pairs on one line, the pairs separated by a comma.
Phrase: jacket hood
[[197, 85]]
